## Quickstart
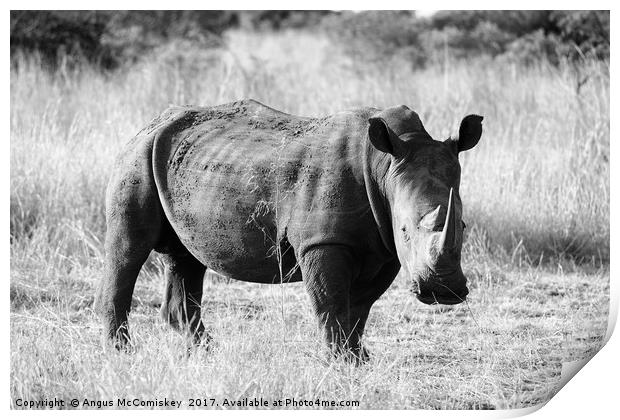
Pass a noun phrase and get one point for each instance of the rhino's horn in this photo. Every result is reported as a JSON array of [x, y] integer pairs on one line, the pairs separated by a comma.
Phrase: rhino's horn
[[448, 234]]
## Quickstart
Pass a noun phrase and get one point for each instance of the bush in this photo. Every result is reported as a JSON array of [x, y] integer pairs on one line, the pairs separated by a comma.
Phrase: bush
[[112, 38], [515, 22], [550, 34], [378, 35], [281, 19], [485, 39], [64, 34], [536, 47], [134, 34], [587, 31]]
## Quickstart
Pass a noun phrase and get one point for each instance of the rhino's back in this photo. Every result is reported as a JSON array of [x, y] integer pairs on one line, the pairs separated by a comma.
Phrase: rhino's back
[[240, 182]]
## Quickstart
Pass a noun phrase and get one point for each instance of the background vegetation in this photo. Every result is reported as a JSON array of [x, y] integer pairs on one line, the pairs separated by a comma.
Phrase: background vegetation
[[535, 191], [114, 38]]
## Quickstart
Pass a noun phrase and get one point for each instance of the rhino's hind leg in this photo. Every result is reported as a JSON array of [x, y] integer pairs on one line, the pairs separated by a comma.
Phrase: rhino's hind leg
[[134, 220], [181, 307], [129, 240]]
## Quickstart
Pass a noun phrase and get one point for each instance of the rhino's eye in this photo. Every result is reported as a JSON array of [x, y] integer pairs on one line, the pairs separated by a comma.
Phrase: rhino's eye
[[464, 225], [405, 233]]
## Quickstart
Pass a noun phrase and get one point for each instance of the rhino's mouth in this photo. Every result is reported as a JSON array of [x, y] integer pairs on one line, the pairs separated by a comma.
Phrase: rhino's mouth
[[447, 289], [433, 299], [440, 292]]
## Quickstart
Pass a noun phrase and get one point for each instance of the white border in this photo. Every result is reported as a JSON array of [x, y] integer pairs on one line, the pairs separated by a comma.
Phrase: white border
[[594, 391]]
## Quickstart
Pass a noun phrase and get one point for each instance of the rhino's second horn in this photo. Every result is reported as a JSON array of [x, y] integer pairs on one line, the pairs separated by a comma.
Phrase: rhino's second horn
[[448, 237]]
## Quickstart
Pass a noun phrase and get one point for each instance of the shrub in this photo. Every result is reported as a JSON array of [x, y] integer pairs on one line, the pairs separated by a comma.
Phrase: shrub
[[516, 22], [587, 31], [111, 38], [536, 47], [60, 34], [281, 19], [485, 39], [549, 34], [378, 35]]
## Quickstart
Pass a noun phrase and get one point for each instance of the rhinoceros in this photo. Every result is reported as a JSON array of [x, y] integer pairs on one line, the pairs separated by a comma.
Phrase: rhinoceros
[[340, 202]]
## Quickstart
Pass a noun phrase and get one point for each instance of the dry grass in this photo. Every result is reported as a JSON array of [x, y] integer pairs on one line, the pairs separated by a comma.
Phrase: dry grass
[[536, 197]]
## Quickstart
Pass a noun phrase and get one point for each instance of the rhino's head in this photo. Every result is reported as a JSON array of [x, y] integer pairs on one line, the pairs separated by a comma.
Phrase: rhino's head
[[422, 190]]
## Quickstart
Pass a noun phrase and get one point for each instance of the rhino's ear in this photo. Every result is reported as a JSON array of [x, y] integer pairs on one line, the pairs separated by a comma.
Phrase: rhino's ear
[[469, 133], [382, 137]]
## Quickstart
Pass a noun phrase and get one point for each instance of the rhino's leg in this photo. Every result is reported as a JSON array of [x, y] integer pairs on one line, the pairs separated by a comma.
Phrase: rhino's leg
[[328, 272], [359, 316], [132, 231], [133, 219], [183, 295], [362, 299]]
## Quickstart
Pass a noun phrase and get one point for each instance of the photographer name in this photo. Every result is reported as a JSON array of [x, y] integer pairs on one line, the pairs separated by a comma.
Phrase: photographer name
[[133, 402]]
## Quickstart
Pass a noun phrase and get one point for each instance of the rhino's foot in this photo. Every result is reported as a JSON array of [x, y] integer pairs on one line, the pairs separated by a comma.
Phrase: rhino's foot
[[357, 355], [361, 355], [199, 343], [118, 339], [193, 329], [199, 336]]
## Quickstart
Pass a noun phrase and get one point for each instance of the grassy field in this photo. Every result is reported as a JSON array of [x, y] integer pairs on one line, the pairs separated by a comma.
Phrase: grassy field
[[536, 202]]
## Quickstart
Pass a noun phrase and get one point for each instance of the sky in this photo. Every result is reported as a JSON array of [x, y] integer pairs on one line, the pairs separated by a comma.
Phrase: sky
[[425, 13]]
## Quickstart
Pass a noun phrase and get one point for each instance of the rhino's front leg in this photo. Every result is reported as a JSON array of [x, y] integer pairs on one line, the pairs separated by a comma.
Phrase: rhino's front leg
[[364, 296], [328, 272]]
